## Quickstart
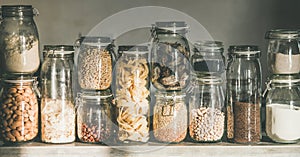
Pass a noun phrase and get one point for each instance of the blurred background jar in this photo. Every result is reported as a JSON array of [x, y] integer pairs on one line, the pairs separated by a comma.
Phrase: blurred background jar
[[18, 110], [243, 95], [170, 69], [19, 41], [57, 107]]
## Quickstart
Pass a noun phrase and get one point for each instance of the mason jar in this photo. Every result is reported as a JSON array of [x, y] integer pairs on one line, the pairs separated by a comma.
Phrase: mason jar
[[19, 40], [243, 96], [283, 51], [283, 109], [57, 104], [18, 110], [170, 69]]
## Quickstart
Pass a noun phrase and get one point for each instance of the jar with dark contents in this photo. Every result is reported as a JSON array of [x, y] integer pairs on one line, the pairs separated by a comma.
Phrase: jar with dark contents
[[94, 117], [170, 56], [170, 117], [243, 96], [18, 111]]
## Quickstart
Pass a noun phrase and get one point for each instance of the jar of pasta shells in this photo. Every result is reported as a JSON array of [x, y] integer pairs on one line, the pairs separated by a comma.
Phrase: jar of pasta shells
[[133, 94], [170, 55], [18, 111], [170, 117], [95, 63]]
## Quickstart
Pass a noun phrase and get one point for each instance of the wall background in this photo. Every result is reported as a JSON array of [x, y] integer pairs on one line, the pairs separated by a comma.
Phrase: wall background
[[230, 21]]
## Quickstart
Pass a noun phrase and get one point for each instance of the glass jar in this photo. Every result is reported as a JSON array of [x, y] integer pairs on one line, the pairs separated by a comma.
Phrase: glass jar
[[170, 117], [19, 41], [170, 56], [18, 111], [57, 107], [283, 51], [133, 94], [243, 95], [283, 109], [206, 108], [94, 117], [95, 63]]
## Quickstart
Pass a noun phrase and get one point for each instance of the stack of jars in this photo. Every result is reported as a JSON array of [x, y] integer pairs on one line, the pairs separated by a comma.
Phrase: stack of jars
[[19, 54], [283, 93]]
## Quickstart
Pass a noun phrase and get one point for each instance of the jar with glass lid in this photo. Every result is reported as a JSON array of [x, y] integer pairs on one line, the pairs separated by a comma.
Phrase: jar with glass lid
[[19, 110], [94, 117], [133, 94], [243, 96], [206, 109], [283, 109], [95, 63], [57, 107], [283, 51], [19, 41], [170, 56]]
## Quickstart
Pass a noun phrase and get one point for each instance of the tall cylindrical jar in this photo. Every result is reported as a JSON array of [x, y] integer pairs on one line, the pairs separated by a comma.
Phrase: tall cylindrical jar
[[19, 40], [133, 94], [170, 56], [206, 110], [243, 95], [57, 107], [18, 111], [283, 51], [283, 109]]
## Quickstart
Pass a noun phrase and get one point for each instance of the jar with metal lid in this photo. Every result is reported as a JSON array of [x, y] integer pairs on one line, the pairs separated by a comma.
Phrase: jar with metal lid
[[95, 63], [57, 107], [170, 117], [243, 96], [133, 94], [170, 56], [283, 109], [283, 51], [94, 117], [206, 109], [18, 110], [19, 41]]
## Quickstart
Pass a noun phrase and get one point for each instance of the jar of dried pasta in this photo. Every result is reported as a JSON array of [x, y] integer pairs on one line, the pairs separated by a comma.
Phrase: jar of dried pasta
[[133, 94], [170, 117]]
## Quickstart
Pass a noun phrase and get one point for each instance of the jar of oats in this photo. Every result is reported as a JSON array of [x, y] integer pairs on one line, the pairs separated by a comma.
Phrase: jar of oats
[[94, 63], [19, 40]]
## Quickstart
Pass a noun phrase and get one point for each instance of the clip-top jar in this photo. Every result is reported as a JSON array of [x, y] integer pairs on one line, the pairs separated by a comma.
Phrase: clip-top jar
[[243, 95], [283, 51], [170, 56], [18, 111], [19, 41]]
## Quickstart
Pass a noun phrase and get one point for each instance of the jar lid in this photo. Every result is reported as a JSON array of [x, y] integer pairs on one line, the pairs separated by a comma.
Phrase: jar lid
[[25, 80], [59, 51], [282, 34], [141, 49], [173, 26], [95, 41], [17, 10], [210, 80], [244, 49], [208, 46]]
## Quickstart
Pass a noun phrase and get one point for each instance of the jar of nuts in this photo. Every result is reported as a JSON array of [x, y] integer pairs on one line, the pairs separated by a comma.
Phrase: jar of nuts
[[18, 111]]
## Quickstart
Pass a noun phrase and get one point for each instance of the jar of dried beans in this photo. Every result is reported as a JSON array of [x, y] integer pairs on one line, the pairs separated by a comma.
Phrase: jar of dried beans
[[18, 111], [170, 117], [206, 108], [133, 94], [243, 96], [94, 117], [19, 40], [170, 56]]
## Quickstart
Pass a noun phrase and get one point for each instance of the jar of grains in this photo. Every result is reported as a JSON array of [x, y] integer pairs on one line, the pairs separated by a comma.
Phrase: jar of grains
[[206, 108], [170, 56], [94, 117], [95, 63], [133, 94], [283, 109], [19, 40], [57, 107], [18, 111], [243, 96], [283, 51], [170, 117]]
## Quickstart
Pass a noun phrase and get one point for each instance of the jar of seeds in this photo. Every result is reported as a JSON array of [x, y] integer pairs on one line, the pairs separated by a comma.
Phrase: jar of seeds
[[19, 40]]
